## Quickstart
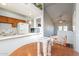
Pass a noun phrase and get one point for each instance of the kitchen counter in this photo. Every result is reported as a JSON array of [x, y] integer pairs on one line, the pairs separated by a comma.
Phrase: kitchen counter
[[8, 44], [18, 36]]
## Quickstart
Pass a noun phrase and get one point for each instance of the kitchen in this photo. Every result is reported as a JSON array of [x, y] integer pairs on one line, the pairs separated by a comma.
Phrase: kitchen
[[19, 25], [36, 29]]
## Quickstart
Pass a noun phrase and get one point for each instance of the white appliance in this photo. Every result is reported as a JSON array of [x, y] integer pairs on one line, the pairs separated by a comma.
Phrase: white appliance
[[23, 28]]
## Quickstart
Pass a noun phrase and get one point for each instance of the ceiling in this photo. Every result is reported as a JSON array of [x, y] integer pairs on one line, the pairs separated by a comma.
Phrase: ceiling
[[59, 12], [26, 9]]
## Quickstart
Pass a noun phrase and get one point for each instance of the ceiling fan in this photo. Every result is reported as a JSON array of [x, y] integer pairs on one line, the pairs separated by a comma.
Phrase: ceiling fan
[[60, 19]]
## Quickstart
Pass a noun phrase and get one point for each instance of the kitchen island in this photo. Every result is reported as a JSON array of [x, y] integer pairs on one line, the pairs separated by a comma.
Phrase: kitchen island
[[8, 44]]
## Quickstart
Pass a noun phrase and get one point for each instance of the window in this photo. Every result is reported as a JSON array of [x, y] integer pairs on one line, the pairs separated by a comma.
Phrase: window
[[62, 28], [65, 28]]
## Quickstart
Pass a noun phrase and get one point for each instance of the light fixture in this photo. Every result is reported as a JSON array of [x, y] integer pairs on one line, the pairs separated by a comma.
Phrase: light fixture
[[30, 22], [60, 21], [3, 3]]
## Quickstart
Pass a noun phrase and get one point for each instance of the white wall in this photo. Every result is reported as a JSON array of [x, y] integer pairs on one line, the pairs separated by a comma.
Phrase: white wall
[[48, 26], [76, 25], [69, 35]]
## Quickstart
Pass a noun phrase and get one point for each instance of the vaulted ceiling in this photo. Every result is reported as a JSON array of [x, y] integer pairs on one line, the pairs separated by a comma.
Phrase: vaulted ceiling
[[59, 12]]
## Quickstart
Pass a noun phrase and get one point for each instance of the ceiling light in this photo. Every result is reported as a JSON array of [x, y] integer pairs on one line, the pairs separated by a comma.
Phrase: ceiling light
[[30, 22], [60, 21]]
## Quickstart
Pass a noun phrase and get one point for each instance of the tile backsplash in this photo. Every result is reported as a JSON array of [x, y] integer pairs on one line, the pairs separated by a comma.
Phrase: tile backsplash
[[6, 28]]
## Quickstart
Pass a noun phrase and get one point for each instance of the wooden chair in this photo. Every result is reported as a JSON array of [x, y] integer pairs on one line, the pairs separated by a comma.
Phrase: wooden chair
[[59, 40], [45, 46]]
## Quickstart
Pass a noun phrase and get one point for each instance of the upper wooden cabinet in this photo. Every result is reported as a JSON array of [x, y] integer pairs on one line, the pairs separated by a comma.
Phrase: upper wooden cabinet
[[13, 21], [3, 19]]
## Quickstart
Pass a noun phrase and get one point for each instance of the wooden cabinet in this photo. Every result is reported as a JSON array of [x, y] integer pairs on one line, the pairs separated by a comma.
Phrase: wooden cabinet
[[3, 19], [13, 21]]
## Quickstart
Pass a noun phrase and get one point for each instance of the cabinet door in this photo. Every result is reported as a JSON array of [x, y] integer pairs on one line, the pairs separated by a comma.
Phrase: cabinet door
[[3, 19], [20, 21], [12, 21]]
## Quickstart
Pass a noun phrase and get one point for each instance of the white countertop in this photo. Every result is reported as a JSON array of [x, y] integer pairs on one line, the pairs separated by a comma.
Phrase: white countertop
[[18, 36]]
